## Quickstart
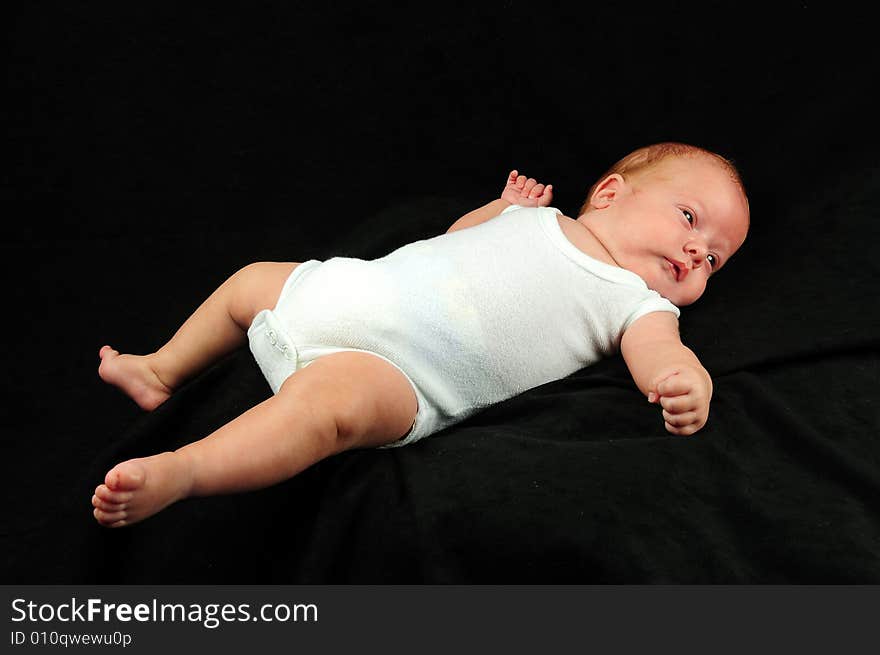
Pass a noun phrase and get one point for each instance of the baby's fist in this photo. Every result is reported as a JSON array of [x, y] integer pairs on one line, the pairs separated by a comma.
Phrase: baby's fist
[[527, 192], [684, 394]]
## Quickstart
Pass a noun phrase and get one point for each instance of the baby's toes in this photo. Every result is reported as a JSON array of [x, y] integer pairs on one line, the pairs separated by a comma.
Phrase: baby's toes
[[97, 503], [109, 518], [127, 476], [107, 350], [108, 495]]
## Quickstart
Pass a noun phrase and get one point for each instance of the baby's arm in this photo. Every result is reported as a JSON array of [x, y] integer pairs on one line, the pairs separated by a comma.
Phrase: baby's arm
[[668, 372], [519, 190]]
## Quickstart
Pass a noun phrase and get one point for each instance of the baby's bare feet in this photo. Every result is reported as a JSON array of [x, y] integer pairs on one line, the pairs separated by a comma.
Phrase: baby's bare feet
[[134, 375], [138, 488]]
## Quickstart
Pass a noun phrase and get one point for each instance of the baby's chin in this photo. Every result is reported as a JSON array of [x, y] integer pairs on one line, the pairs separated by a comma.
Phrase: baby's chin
[[680, 299], [666, 287], [673, 294]]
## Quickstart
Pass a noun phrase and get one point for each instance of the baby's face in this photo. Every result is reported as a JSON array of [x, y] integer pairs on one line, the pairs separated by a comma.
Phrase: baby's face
[[678, 224]]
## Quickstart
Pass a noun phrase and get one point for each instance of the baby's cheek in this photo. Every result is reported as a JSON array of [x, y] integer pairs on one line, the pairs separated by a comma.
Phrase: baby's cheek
[[701, 281]]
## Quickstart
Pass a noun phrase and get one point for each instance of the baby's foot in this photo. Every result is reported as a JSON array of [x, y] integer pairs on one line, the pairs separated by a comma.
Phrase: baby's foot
[[138, 488], [134, 375]]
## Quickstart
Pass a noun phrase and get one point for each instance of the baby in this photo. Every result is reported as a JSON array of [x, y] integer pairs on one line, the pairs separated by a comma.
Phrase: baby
[[382, 353]]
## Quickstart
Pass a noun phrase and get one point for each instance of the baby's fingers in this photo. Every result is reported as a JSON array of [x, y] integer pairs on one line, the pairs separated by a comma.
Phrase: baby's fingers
[[681, 420], [536, 191], [683, 415], [546, 197], [678, 404], [674, 385], [685, 431]]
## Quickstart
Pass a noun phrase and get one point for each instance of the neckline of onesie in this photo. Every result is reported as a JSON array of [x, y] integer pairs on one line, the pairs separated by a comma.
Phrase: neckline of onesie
[[606, 271]]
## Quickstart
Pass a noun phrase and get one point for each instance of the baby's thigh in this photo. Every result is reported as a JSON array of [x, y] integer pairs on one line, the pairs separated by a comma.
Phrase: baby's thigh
[[257, 287], [370, 399]]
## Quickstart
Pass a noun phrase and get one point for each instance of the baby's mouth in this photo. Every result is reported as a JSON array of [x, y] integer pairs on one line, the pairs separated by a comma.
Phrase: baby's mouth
[[679, 270]]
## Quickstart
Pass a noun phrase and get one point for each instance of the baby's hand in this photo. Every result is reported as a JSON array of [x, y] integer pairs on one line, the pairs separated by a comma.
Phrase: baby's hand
[[520, 190], [684, 393]]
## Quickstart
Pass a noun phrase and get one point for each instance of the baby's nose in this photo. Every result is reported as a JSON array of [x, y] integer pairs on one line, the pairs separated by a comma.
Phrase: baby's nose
[[697, 252]]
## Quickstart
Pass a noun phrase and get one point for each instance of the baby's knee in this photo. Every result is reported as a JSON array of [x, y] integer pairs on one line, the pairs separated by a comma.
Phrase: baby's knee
[[362, 400], [310, 410], [263, 273], [256, 287], [336, 415]]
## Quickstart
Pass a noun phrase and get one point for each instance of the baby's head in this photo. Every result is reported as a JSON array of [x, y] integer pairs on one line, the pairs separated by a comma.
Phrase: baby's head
[[672, 213]]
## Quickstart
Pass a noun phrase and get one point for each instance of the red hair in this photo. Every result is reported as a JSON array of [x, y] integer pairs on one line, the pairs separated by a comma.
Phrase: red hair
[[649, 156]]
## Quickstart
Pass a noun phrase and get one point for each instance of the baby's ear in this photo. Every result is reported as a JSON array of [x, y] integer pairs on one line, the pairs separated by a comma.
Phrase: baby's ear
[[607, 191]]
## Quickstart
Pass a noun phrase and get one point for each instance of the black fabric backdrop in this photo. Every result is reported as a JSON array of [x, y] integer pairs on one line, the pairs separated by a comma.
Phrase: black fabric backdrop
[[150, 152]]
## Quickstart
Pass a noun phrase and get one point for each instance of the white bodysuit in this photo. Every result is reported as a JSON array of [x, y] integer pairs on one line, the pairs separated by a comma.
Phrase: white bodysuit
[[471, 318]]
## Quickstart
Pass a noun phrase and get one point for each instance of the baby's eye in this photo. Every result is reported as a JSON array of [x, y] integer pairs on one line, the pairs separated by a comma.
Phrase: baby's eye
[[712, 259], [688, 216]]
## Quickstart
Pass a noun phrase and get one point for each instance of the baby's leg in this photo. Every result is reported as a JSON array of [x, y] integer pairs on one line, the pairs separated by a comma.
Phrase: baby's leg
[[341, 401], [216, 328]]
